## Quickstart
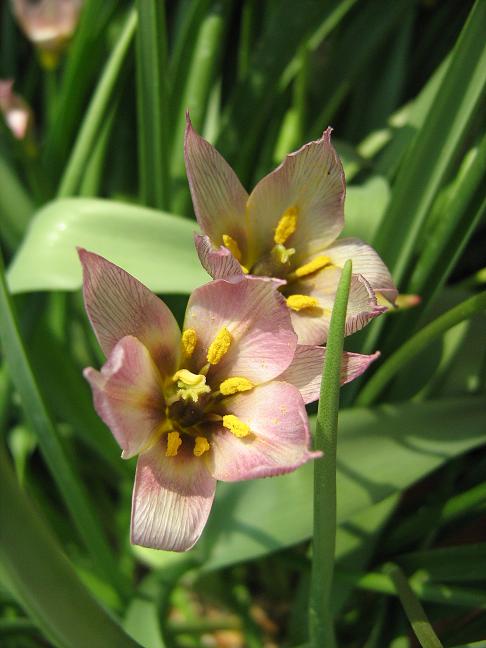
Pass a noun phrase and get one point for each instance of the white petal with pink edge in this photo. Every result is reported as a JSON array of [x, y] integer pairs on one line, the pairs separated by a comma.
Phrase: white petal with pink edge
[[218, 196], [172, 498], [310, 180], [118, 305], [366, 262], [279, 439], [127, 395], [312, 324], [254, 312], [305, 372], [218, 262]]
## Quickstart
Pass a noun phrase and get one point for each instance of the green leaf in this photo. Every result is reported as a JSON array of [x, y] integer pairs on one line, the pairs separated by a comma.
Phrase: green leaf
[[152, 100], [448, 564], [156, 247], [16, 207], [365, 207], [382, 451], [43, 580]]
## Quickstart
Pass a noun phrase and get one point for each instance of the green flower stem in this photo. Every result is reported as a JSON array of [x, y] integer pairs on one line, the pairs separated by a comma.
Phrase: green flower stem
[[415, 344], [97, 110], [413, 609], [321, 629]]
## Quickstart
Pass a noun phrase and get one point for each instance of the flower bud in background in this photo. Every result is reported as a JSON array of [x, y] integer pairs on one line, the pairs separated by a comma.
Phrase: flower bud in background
[[48, 24], [16, 112]]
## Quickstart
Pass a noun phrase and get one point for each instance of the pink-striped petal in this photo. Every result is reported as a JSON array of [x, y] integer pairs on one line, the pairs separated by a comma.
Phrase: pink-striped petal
[[310, 180], [366, 262], [279, 439], [312, 324], [217, 261], [218, 196], [255, 314], [128, 396], [118, 305], [305, 372], [172, 498]]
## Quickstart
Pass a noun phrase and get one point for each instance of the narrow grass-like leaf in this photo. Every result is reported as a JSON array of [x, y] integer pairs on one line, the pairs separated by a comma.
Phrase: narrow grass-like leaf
[[154, 246], [62, 471], [43, 580], [435, 146], [447, 564], [415, 344], [96, 112], [413, 609], [152, 101], [324, 538]]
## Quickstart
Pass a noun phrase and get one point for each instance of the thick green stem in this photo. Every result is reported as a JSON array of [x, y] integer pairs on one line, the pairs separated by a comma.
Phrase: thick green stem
[[321, 628]]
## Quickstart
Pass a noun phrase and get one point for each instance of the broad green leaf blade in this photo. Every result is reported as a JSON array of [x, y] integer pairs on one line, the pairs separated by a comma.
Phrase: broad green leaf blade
[[382, 451], [62, 470], [16, 207], [365, 207], [156, 247], [152, 102], [43, 580]]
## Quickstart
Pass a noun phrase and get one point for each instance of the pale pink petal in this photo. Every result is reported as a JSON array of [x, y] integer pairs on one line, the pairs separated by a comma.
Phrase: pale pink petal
[[118, 305], [217, 261], [311, 180], [127, 395], [305, 372], [255, 314], [218, 197], [172, 498], [279, 439], [366, 262], [312, 324]]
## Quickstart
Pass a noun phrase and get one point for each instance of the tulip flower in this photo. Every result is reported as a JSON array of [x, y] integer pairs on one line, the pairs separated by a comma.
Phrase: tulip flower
[[17, 114], [286, 228], [48, 24], [223, 399]]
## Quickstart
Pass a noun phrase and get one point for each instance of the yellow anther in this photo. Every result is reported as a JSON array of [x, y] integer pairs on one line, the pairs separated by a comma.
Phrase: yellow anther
[[300, 302], [308, 268], [244, 269], [174, 442], [232, 245], [201, 445], [286, 226], [219, 346], [191, 385], [234, 385], [188, 342], [235, 426]]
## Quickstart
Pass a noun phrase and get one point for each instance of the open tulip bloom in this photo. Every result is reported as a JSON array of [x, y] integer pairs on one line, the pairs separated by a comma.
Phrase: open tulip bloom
[[287, 228], [224, 399]]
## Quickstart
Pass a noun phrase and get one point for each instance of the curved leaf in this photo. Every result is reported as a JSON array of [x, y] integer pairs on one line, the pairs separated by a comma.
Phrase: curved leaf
[[154, 246]]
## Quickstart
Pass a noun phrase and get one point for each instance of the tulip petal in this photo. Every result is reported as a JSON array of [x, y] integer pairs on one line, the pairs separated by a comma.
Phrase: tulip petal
[[279, 438], [128, 396], [310, 180], [305, 372], [172, 498], [218, 196], [254, 312], [118, 305], [219, 263], [312, 324], [366, 262]]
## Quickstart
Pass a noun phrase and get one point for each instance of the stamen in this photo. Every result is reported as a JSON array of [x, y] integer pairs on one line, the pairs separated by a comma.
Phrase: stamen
[[174, 442], [188, 342], [219, 346], [235, 426], [234, 385], [230, 243], [286, 226], [201, 445], [308, 268], [300, 302]]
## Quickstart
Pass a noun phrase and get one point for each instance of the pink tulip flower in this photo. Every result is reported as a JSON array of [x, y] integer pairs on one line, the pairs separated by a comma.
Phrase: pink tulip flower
[[224, 399], [286, 228]]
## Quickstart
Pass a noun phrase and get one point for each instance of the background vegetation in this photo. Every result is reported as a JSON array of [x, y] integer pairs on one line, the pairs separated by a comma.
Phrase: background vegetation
[[401, 83]]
